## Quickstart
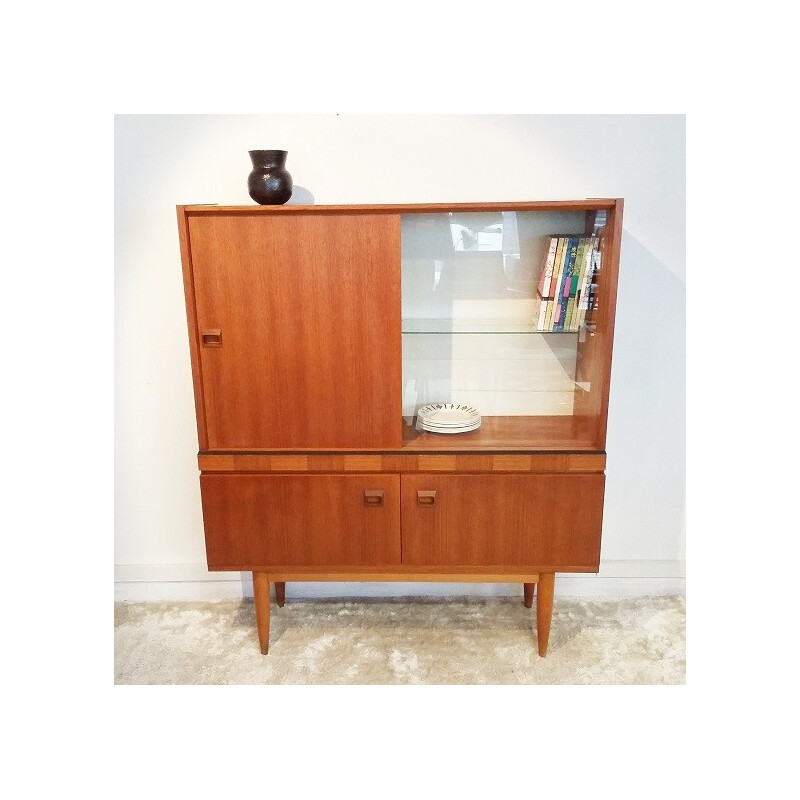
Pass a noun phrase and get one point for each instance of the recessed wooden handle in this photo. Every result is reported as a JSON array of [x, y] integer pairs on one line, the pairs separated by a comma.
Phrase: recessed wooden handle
[[373, 497], [212, 338], [426, 498]]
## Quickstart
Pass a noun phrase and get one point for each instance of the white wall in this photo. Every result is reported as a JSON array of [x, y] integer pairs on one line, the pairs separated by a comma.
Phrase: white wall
[[163, 161]]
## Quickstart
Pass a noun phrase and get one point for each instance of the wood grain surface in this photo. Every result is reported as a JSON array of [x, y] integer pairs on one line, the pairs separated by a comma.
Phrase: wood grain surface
[[510, 433], [404, 208], [402, 462], [482, 520], [257, 520], [308, 308]]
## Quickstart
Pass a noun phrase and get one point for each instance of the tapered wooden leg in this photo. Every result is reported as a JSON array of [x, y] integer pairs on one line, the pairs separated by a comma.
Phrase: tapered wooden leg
[[527, 590], [261, 598], [280, 593], [544, 609]]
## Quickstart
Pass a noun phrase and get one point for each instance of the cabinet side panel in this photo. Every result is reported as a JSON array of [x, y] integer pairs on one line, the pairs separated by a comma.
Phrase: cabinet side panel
[[593, 371], [610, 299], [537, 521], [191, 318], [308, 313]]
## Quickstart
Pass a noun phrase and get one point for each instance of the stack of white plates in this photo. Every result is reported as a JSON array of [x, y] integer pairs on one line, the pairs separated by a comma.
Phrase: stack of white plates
[[448, 418]]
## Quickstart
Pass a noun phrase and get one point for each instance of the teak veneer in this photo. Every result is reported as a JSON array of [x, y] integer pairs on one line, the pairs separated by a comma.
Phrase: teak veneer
[[310, 467]]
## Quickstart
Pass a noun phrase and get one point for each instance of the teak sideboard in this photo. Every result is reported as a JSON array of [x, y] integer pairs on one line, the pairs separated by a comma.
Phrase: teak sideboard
[[316, 334]]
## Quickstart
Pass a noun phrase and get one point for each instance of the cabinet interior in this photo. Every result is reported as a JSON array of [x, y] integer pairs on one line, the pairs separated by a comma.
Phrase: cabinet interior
[[468, 292]]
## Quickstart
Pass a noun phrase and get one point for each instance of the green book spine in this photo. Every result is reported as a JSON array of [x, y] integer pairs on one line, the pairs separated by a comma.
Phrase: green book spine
[[562, 291], [570, 314], [576, 269]]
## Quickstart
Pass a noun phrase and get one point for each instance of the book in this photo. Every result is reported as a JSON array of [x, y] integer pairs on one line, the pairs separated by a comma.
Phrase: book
[[551, 289], [571, 283], [583, 242], [548, 317], [570, 313], [544, 295], [545, 276], [597, 264], [547, 267], [567, 286], [542, 314], [581, 294], [586, 280], [564, 283], [588, 284], [556, 283]]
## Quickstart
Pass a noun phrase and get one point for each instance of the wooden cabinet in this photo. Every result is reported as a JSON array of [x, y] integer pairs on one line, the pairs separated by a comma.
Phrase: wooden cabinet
[[318, 332]]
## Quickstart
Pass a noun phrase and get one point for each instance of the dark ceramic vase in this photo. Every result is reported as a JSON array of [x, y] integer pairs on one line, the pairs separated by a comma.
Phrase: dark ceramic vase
[[269, 184]]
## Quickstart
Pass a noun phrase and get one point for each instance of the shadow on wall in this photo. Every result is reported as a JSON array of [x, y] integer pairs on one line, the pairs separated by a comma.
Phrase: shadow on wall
[[647, 408], [300, 197], [649, 342]]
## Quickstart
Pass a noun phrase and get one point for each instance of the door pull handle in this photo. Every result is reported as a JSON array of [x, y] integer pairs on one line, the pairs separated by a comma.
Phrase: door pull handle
[[373, 497], [212, 338], [426, 498]]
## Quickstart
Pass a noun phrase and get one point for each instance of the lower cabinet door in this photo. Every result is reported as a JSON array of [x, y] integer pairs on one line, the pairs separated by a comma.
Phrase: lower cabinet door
[[300, 520], [503, 520]]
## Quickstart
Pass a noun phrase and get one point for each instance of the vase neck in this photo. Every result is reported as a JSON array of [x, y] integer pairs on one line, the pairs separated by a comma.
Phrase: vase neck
[[268, 158]]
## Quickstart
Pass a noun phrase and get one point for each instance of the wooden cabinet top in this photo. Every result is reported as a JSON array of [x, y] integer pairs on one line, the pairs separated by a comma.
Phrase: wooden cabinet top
[[409, 208]]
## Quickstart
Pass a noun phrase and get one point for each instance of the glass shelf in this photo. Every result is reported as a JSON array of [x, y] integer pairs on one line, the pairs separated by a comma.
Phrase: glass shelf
[[428, 326]]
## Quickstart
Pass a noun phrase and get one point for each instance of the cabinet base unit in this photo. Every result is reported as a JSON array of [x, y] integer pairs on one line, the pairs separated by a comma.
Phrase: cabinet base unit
[[402, 392], [544, 596]]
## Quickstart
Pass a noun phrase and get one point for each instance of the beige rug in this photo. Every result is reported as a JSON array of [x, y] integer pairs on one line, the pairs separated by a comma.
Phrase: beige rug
[[638, 641]]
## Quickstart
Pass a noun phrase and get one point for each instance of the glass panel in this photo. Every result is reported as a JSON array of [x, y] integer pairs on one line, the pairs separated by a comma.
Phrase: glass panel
[[500, 374], [475, 268], [475, 330]]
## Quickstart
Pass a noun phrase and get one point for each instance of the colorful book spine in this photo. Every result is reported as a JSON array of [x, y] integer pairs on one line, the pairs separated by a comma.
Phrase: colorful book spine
[[597, 264], [550, 289], [570, 314], [571, 290], [547, 268], [565, 281], [557, 261], [552, 302], [576, 268], [589, 284], [567, 284], [581, 295], [537, 305], [542, 314], [545, 279]]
